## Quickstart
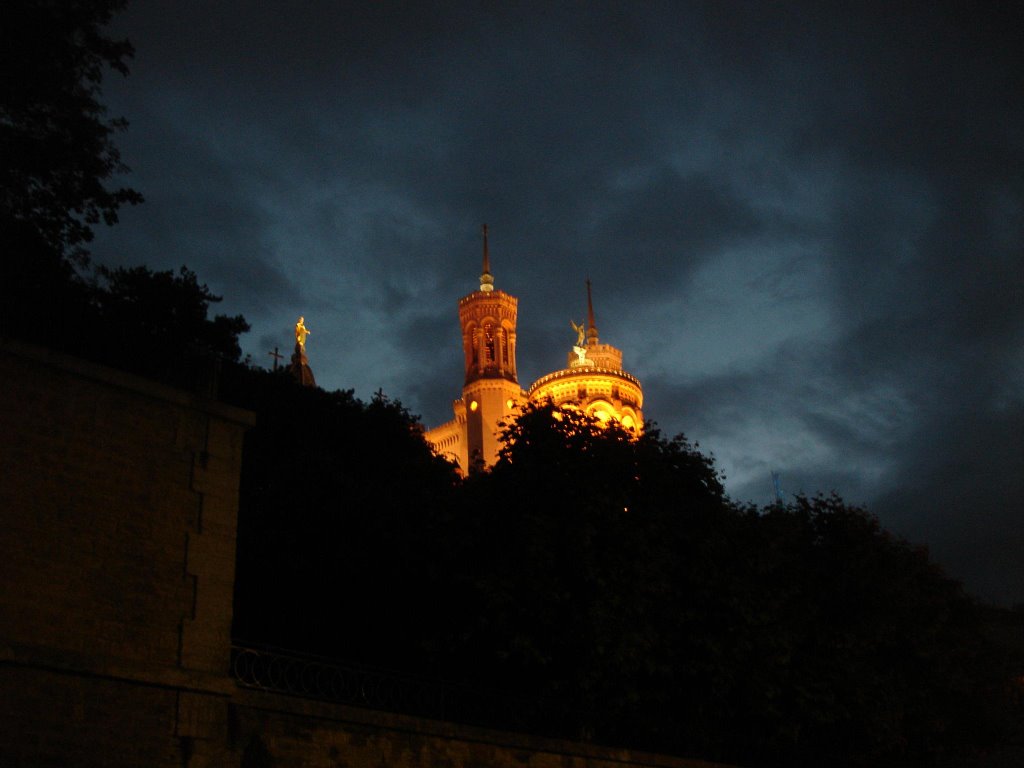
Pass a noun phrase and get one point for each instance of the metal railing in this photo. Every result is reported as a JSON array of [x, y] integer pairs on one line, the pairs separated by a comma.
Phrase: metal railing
[[322, 679], [312, 677]]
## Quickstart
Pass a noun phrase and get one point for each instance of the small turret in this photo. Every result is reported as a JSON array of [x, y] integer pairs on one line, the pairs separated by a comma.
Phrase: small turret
[[593, 379]]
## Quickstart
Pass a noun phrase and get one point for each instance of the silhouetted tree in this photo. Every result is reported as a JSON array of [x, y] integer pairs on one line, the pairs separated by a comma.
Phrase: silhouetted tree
[[890, 659], [336, 500], [57, 161], [563, 555], [157, 323], [613, 576], [56, 149]]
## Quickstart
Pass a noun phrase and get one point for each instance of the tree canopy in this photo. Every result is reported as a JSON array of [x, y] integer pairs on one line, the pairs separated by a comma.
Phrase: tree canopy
[[337, 498], [57, 155], [613, 574], [157, 323], [58, 165], [610, 581]]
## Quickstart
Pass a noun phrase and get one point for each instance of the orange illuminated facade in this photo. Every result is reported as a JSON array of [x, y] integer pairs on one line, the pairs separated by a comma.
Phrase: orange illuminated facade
[[593, 379], [490, 391]]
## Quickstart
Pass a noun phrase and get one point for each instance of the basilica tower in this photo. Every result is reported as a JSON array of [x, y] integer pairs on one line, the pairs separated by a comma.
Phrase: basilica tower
[[490, 389], [594, 380]]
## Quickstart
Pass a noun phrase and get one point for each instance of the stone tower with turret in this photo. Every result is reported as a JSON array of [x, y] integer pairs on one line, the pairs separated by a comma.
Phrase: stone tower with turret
[[490, 390]]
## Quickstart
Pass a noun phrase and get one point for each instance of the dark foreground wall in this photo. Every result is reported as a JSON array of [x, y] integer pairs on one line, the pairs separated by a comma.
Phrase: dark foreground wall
[[118, 502], [118, 509], [286, 731]]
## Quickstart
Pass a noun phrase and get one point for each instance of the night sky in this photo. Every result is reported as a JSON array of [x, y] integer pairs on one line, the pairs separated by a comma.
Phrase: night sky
[[804, 226]]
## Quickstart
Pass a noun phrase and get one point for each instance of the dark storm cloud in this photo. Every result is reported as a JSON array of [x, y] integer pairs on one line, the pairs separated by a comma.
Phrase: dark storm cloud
[[197, 211], [938, 306], [661, 230], [804, 224], [433, 345], [962, 481]]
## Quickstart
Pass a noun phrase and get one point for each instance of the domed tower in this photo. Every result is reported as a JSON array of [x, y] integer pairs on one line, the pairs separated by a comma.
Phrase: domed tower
[[594, 379], [490, 388]]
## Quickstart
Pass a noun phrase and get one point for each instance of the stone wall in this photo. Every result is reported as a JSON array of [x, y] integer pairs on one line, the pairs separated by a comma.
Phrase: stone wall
[[119, 502], [274, 730]]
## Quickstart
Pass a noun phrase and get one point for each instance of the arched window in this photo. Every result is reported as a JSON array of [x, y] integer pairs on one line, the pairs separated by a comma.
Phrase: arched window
[[472, 350], [506, 351], [601, 410], [489, 354]]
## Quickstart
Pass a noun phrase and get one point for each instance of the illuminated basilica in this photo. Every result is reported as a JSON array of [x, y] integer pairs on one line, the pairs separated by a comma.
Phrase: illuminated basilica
[[593, 379]]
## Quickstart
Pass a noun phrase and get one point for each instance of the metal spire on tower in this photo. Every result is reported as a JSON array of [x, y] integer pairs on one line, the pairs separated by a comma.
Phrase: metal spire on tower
[[486, 279], [591, 325]]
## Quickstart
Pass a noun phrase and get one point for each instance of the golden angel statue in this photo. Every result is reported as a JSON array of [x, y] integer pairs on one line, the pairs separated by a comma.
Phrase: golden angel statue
[[301, 332], [580, 332]]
